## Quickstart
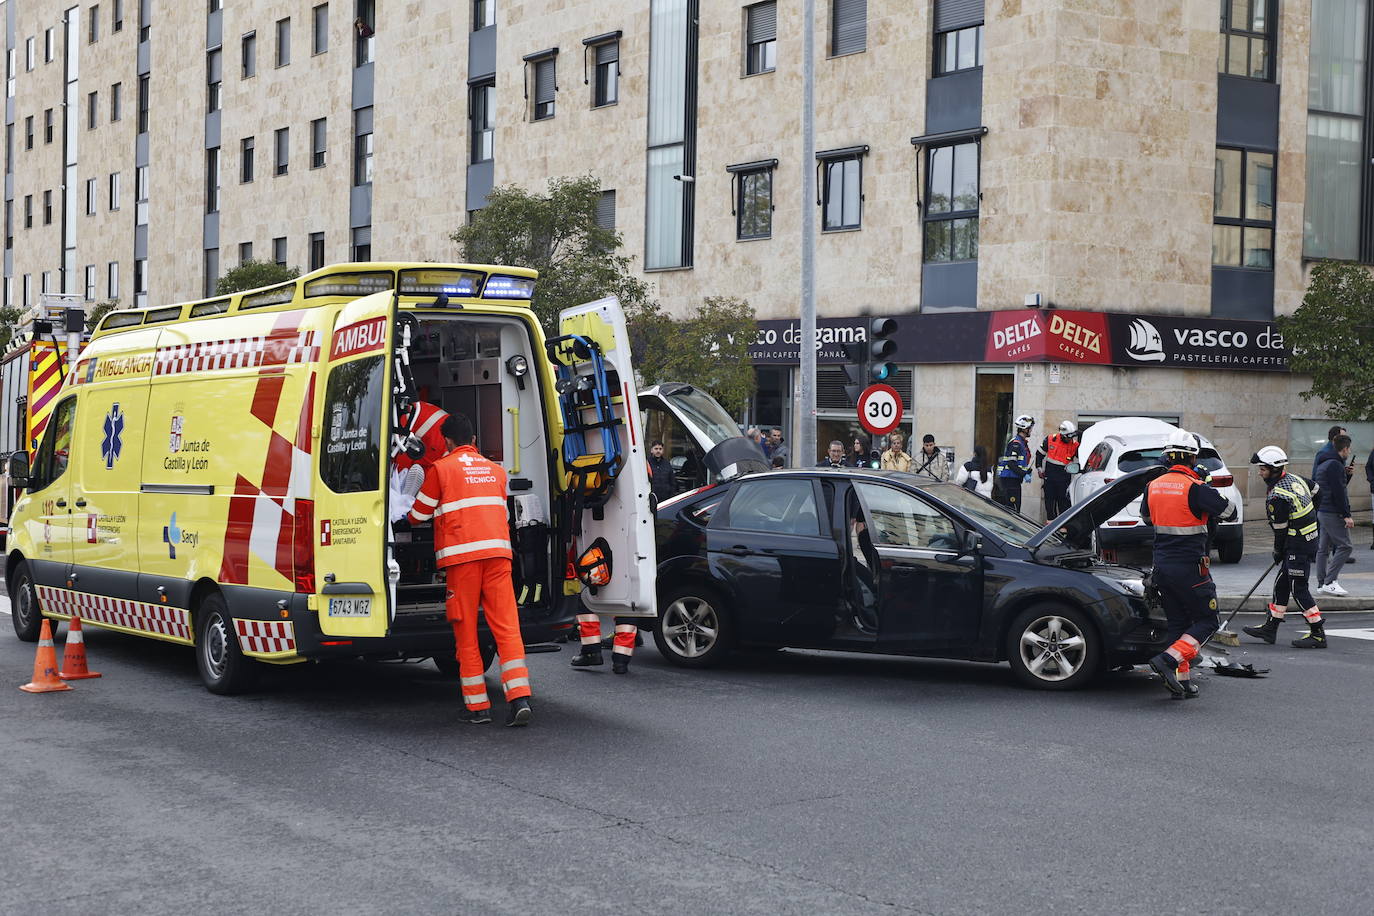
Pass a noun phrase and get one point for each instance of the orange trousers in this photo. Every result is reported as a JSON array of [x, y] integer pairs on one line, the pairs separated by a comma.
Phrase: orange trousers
[[486, 583]]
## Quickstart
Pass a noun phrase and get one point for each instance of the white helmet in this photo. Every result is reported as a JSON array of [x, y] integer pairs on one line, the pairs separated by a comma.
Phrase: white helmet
[[1270, 455], [1068, 428], [1025, 421], [1180, 442]]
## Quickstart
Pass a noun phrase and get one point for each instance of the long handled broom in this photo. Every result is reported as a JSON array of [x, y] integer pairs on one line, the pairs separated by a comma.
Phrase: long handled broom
[[1225, 636]]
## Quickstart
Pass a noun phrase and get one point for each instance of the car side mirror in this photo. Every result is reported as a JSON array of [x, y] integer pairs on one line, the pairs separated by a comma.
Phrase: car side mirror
[[971, 543], [18, 469]]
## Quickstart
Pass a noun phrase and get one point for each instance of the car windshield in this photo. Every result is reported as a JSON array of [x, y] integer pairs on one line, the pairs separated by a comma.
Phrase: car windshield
[[1145, 457], [1009, 526], [702, 411]]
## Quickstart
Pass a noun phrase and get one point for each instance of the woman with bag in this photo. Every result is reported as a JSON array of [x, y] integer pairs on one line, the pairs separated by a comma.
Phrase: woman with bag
[[974, 474]]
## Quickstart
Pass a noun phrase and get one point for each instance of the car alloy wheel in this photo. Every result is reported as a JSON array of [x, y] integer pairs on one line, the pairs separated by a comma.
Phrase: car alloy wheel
[[1053, 648], [691, 626]]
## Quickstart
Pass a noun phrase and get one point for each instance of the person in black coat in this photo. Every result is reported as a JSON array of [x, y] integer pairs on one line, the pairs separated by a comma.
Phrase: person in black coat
[[660, 472]]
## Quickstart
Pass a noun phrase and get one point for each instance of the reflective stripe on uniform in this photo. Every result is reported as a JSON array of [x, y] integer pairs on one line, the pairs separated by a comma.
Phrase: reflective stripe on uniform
[[516, 682], [470, 503], [428, 502], [589, 628], [472, 547], [472, 681], [1181, 529], [513, 663], [437, 417]]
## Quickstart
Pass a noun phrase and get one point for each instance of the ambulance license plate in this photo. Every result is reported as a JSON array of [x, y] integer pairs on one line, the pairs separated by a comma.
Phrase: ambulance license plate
[[350, 607]]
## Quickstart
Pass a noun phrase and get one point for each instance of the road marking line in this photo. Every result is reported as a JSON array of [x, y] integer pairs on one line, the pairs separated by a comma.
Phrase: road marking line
[[1367, 633]]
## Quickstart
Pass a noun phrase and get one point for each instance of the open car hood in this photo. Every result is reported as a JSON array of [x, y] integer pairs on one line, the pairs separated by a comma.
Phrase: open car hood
[[1078, 522], [727, 454]]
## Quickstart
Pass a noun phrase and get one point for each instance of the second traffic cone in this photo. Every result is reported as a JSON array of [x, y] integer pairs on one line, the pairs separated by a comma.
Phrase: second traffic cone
[[45, 679], [74, 658]]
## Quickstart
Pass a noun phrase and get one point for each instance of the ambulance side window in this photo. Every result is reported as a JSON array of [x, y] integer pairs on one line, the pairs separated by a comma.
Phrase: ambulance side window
[[55, 452], [350, 453]]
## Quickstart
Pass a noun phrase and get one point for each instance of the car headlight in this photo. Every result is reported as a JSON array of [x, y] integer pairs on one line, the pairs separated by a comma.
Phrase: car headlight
[[1133, 587]]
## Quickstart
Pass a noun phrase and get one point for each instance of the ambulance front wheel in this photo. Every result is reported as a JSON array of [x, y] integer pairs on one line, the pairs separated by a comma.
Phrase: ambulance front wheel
[[223, 667], [24, 612]]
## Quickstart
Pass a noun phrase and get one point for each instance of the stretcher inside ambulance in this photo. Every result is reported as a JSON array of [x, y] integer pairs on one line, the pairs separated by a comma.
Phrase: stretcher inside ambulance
[[231, 470]]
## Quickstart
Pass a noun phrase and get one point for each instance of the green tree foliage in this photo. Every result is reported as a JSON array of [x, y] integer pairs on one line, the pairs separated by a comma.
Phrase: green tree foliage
[[1332, 339], [252, 274], [8, 319], [557, 235], [709, 348], [99, 311]]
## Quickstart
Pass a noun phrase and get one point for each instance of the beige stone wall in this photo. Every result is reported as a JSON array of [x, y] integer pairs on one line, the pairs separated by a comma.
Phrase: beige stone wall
[[1290, 275]]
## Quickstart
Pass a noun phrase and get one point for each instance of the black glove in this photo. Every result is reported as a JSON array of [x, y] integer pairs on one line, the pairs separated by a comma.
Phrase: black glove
[[1278, 556]]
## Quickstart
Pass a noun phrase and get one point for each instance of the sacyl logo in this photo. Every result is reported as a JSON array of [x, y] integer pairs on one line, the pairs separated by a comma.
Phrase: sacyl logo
[[1146, 344]]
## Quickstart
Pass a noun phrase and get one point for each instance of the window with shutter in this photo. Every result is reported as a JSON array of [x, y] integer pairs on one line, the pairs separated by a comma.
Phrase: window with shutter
[[958, 35], [605, 210], [761, 37], [607, 76], [848, 26], [545, 86]]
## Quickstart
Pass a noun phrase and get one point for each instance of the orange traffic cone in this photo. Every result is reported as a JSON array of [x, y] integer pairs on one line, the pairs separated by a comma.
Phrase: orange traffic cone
[[45, 679], [74, 658]]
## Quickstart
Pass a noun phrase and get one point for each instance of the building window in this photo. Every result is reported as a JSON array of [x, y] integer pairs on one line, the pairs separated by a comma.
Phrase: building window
[[951, 215], [545, 87], [606, 77], [958, 49], [761, 37], [1243, 209], [1338, 108], [47, 125], [28, 59], [145, 31], [361, 244], [28, 132], [753, 209], [246, 160], [115, 91], [283, 42], [282, 146], [362, 147], [248, 55], [483, 14], [46, 282], [90, 196], [279, 251], [482, 101], [28, 293], [848, 26], [213, 79], [93, 34], [605, 210], [841, 189], [49, 47], [245, 252], [112, 279], [316, 250], [212, 180], [364, 32], [318, 137], [90, 282], [216, 5], [143, 104], [114, 190], [211, 271], [1246, 30], [319, 29], [92, 109], [28, 211], [117, 15], [141, 190], [47, 208], [140, 282]]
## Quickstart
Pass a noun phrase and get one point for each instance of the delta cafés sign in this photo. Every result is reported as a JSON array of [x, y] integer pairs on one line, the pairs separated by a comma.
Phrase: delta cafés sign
[[1046, 335]]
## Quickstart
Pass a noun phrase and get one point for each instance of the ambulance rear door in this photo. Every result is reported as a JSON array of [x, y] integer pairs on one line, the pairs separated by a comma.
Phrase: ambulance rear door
[[351, 547], [625, 521]]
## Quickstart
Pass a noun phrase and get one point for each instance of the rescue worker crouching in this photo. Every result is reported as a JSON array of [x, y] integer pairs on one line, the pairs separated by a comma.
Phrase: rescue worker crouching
[[1053, 458], [1292, 510], [1015, 464], [465, 494], [1179, 506]]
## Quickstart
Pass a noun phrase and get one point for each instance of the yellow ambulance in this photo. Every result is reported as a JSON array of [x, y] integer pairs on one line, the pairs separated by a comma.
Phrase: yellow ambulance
[[226, 473]]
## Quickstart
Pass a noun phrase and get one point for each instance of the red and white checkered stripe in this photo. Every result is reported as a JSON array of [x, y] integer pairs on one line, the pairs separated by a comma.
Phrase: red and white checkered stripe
[[242, 353], [266, 635], [120, 612]]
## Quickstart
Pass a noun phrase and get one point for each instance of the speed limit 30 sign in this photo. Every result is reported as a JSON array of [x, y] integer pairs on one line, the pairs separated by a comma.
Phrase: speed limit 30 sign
[[880, 409]]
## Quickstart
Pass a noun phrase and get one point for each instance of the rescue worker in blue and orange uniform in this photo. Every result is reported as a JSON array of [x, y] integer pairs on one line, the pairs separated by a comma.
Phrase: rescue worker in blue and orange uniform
[[465, 494], [1179, 506], [1053, 458], [1292, 510], [1015, 464]]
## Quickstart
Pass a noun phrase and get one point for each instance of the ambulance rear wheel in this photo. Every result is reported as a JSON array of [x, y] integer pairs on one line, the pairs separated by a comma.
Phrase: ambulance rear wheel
[[25, 615], [224, 669]]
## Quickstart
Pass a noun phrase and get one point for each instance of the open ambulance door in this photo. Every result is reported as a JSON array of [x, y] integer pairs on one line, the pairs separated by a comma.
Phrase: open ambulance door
[[617, 522], [352, 550]]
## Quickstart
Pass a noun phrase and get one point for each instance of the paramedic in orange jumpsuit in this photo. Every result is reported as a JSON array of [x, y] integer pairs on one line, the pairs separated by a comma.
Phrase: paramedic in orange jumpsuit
[[465, 494], [426, 424]]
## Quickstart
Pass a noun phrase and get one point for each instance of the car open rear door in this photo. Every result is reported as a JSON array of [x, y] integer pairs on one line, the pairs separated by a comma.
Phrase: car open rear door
[[620, 518]]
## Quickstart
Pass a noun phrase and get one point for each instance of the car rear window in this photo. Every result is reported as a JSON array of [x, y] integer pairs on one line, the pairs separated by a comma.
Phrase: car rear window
[[1141, 458]]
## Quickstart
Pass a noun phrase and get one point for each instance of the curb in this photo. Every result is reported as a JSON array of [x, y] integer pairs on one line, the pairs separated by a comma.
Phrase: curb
[[1351, 605]]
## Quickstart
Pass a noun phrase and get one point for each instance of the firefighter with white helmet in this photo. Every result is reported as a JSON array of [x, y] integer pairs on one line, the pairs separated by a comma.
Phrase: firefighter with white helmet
[[1179, 505], [1292, 510], [1053, 458], [1015, 464]]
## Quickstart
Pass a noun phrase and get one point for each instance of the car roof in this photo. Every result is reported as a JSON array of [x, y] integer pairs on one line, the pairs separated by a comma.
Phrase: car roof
[[903, 477]]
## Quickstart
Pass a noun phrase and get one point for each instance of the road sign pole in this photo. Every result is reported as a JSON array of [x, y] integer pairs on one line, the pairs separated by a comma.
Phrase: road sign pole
[[805, 453]]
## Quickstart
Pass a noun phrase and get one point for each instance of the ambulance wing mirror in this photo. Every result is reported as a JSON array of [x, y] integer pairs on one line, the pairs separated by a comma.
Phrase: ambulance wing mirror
[[18, 469]]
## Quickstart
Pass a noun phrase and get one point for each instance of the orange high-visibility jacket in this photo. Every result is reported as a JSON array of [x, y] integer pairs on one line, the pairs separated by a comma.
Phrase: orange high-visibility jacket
[[465, 494], [1062, 450], [426, 423], [1168, 508]]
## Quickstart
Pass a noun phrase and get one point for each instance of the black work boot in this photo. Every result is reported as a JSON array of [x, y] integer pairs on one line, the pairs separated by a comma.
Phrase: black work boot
[[620, 664], [589, 657], [519, 712], [1315, 638], [1166, 667], [1266, 631], [1190, 691], [475, 716]]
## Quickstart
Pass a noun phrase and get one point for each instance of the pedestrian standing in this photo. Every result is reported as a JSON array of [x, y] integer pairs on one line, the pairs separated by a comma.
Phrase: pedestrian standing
[[1369, 476], [1328, 449], [931, 462], [858, 454], [834, 455], [465, 494], [1015, 464], [776, 448], [660, 472], [1292, 515], [1053, 458], [895, 457], [1179, 505], [975, 474], [1333, 518]]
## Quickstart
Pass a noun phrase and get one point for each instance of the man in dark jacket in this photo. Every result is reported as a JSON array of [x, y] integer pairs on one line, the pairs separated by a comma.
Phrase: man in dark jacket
[[1328, 449], [1369, 476], [660, 472], [1333, 518]]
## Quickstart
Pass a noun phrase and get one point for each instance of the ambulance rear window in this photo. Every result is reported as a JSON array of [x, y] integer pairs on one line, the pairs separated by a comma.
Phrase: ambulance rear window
[[350, 453]]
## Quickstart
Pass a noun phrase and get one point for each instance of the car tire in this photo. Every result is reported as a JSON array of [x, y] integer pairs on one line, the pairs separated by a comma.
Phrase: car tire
[[448, 664], [695, 628], [25, 613], [1053, 647], [1231, 551], [224, 669]]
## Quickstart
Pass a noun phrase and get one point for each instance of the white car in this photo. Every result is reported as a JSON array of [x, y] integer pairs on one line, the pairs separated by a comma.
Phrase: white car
[[1115, 447]]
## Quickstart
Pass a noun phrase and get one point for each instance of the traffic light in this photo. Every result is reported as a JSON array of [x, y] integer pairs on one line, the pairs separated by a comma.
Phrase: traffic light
[[856, 371], [881, 349]]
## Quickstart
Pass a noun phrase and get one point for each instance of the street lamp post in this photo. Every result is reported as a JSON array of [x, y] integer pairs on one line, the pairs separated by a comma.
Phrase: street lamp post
[[806, 439]]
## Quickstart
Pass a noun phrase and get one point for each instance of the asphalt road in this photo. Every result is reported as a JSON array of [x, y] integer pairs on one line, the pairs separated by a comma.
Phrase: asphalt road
[[786, 783]]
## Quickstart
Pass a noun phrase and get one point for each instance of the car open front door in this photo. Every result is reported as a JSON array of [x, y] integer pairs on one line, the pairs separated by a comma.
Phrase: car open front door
[[350, 501], [620, 520]]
